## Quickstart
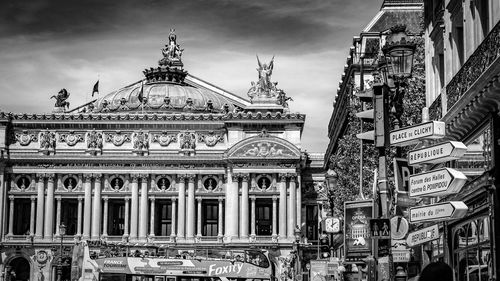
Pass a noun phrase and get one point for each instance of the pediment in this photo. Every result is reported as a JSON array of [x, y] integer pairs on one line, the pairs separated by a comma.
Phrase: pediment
[[263, 147]]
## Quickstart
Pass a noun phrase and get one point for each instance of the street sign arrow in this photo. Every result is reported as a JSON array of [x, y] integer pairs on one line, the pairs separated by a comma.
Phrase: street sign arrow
[[441, 211], [412, 134], [436, 183], [438, 153], [423, 235]]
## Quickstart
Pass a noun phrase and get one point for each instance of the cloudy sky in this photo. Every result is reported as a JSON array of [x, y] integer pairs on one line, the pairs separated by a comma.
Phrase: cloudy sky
[[47, 45]]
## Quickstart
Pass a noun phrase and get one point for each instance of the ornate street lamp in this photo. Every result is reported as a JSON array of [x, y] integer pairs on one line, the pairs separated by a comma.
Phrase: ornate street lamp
[[399, 53], [62, 232]]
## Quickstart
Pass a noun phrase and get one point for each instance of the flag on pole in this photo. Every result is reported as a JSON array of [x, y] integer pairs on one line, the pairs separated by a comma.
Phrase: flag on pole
[[141, 93], [96, 88]]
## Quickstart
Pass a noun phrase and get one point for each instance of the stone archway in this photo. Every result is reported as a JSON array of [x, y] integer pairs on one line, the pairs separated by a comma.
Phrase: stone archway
[[20, 269]]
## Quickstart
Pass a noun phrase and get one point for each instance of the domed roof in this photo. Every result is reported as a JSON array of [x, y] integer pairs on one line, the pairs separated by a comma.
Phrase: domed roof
[[163, 96]]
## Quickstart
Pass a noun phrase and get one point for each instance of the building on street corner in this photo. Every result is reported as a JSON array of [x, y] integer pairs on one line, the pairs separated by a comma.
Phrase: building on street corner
[[169, 165]]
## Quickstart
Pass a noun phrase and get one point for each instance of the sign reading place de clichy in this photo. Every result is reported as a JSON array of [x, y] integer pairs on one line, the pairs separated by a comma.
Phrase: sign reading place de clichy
[[436, 183], [441, 211], [412, 134], [438, 153]]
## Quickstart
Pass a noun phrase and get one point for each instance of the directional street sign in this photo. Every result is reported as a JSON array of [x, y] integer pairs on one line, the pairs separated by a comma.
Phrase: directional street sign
[[436, 183], [423, 235], [438, 153], [441, 211], [401, 255], [413, 134]]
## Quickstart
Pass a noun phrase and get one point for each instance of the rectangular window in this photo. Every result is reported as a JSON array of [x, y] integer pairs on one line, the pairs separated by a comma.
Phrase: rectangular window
[[210, 217], [69, 215], [264, 216], [116, 216], [163, 221], [22, 214], [312, 222]]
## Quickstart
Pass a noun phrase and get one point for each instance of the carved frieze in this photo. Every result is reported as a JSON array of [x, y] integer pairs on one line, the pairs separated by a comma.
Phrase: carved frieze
[[118, 138], [47, 142], [187, 140], [141, 141], [25, 138], [164, 138], [94, 142], [71, 138], [211, 138], [265, 149]]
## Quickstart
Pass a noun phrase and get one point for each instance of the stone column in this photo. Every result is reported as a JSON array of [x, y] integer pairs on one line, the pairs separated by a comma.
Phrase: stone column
[[182, 207], [221, 219], [282, 219], [198, 218], [253, 218], [79, 219], [143, 221], [96, 210], [3, 199], [232, 198], [105, 217], [58, 215], [152, 217], [275, 216], [174, 217], [292, 209], [190, 208], [40, 200], [11, 215], [32, 215], [127, 217], [244, 207], [299, 201], [134, 207], [48, 230], [87, 211]]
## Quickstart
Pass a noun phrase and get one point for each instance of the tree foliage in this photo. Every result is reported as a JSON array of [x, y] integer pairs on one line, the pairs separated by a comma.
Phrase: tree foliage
[[346, 160]]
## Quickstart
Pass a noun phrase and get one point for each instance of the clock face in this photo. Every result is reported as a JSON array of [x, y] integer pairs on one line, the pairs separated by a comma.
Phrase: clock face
[[399, 227], [332, 225]]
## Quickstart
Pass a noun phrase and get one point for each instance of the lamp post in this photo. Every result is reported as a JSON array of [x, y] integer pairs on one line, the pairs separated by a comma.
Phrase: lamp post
[[62, 232]]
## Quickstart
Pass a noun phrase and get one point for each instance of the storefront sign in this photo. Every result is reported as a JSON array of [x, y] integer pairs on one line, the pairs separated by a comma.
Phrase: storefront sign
[[423, 235], [441, 211], [436, 183], [438, 153], [412, 134], [357, 240], [401, 255]]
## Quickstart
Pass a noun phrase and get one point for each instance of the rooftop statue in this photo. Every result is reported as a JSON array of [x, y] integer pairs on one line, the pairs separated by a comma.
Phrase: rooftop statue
[[264, 88], [61, 98], [172, 52]]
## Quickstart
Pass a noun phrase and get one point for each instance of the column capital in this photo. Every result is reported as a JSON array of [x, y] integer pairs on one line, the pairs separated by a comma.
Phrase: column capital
[[96, 175], [11, 197], [292, 176], [79, 198], [127, 198], [50, 177], [105, 198], [245, 177], [33, 197], [235, 177], [40, 177], [152, 198], [135, 177], [221, 199], [181, 177], [87, 177], [144, 177], [199, 198], [59, 198], [173, 199], [275, 198], [191, 178], [253, 197], [282, 177]]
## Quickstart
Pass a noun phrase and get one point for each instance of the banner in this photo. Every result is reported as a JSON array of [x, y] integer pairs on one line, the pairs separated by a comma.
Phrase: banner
[[357, 241]]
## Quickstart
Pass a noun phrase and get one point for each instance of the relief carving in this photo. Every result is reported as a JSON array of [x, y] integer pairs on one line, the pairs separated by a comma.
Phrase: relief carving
[[118, 138], [24, 138], [211, 138], [188, 140], [47, 142], [164, 139], [141, 141], [71, 138], [94, 142]]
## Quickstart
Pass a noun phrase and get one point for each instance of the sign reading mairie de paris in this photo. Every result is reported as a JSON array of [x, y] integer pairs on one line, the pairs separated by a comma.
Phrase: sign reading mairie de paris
[[438, 153], [436, 183], [441, 211], [412, 134]]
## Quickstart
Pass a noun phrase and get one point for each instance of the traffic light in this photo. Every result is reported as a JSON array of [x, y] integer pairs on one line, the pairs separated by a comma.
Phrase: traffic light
[[324, 245], [379, 115]]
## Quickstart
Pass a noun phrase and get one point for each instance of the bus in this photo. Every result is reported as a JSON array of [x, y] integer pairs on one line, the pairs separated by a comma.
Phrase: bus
[[242, 265]]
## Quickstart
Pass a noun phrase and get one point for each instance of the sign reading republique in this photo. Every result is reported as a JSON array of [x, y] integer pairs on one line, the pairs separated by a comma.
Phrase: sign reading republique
[[423, 235], [438, 153], [436, 183], [410, 135], [441, 211]]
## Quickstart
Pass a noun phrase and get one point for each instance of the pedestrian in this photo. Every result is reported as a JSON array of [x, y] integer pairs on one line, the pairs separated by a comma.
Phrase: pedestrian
[[436, 271]]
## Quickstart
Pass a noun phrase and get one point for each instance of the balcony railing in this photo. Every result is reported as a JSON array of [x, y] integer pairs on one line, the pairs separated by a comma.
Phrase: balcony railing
[[482, 58]]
